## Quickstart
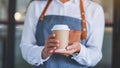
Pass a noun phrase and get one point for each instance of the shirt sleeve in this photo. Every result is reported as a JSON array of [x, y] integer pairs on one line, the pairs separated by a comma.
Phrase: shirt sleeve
[[91, 53], [30, 51]]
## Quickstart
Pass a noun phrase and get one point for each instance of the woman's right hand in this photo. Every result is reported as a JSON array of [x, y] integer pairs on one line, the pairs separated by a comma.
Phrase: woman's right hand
[[51, 45]]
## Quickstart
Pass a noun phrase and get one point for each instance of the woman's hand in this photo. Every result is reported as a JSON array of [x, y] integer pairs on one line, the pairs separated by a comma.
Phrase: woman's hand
[[50, 46], [71, 49]]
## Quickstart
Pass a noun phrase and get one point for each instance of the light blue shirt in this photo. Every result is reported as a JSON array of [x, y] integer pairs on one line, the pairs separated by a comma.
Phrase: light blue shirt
[[90, 54]]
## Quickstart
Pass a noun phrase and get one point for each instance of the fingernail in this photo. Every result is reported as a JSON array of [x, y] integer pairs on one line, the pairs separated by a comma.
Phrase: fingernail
[[56, 51], [54, 35], [51, 51], [68, 48], [57, 41], [55, 47]]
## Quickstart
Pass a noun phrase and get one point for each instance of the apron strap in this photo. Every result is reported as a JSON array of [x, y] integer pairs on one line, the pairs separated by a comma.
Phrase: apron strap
[[84, 30], [45, 9]]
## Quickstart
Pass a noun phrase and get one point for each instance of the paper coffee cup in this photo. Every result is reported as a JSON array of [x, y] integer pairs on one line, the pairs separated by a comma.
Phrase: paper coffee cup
[[62, 34]]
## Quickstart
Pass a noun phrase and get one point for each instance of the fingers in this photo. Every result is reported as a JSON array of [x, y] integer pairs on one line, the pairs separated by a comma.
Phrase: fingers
[[51, 50], [52, 42], [70, 47], [51, 45], [75, 46], [65, 52], [47, 52], [51, 36]]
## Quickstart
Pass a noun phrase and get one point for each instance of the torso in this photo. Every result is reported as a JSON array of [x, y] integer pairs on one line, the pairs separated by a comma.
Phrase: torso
[[67, 9], [59, 14]]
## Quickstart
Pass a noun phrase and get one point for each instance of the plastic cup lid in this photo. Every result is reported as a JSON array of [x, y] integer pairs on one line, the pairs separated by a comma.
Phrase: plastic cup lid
[[60, 27]]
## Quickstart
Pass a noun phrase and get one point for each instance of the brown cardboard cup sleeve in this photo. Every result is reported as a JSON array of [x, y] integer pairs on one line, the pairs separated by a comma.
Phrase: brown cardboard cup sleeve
[[74, 36]]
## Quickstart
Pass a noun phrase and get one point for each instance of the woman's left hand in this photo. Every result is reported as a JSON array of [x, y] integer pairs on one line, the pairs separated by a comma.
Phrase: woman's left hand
[[70, 49]]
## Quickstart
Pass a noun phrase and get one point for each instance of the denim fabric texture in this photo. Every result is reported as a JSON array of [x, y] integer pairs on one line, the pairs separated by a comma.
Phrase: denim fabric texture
[[44, 29]]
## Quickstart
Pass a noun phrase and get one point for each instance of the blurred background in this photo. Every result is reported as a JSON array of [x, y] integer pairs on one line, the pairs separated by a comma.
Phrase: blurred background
[[12, 14]]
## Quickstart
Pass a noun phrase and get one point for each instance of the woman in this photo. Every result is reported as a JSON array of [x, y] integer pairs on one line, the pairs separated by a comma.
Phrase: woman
[[38, 44]]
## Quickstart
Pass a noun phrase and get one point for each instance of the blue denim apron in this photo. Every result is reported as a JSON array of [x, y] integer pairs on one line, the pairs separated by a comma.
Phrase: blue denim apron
[[43, 29]]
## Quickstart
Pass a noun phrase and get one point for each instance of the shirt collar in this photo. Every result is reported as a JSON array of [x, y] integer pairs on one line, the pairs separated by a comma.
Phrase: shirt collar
[[71, 2]]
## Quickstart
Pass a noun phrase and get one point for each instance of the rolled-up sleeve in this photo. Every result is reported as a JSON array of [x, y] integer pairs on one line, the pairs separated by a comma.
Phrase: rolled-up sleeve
[[91, 53], [30, 51]]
